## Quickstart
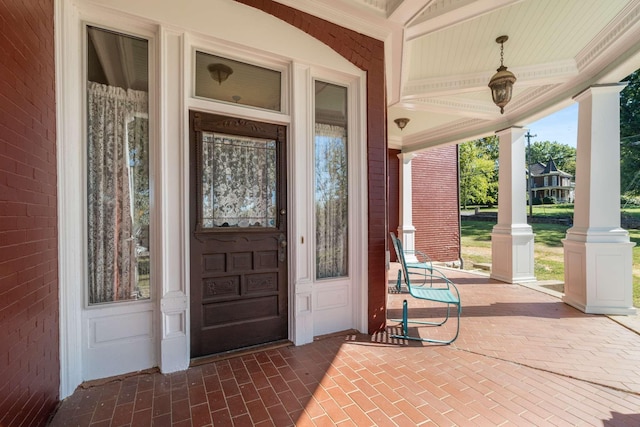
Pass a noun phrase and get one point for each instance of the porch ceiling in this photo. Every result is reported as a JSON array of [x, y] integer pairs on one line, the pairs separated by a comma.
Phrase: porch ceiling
[[442, 53]]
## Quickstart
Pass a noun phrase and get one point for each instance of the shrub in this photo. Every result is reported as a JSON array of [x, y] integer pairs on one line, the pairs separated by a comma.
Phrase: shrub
[[549, 200], [627, 200]]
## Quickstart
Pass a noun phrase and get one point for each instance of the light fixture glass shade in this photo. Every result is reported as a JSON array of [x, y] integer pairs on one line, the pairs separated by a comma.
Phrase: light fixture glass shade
[[220, 72], [401, 122], [501, 85]]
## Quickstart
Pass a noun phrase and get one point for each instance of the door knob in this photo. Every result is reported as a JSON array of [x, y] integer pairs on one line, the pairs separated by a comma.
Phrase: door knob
[[282, 252]]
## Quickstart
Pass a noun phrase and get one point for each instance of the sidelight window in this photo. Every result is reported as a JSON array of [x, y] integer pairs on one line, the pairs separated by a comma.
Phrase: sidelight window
[[117, 167], [331, 181]]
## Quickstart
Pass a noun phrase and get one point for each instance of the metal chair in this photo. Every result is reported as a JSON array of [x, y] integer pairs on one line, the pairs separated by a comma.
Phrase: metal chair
[[440, 289]]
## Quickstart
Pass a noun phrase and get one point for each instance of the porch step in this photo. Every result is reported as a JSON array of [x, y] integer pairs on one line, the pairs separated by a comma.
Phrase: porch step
[[482, 265]]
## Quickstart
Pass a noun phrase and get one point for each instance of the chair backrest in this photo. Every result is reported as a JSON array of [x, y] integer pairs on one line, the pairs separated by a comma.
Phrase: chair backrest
[[397, 246]]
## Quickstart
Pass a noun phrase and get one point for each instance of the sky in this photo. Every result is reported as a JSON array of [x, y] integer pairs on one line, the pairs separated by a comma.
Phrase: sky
[[561, 126]]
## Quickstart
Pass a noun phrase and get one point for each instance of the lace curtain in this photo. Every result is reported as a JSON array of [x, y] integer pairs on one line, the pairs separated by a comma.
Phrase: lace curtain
[[331, 185], [112, 246], [238, 181]]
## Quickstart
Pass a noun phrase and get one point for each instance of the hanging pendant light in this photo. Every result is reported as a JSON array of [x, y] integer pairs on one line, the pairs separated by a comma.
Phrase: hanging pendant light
[[501, 83]]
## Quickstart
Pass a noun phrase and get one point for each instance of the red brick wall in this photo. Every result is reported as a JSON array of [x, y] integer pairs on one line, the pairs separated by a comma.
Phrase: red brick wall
[[368, 55], [29, 365], [435, 203]]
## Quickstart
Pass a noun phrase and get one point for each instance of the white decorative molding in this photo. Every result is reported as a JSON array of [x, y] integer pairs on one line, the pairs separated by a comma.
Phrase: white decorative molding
[[532, 94], [373, 25], [69, 160], [548, 73], [173, 302], [452, 133], [454, 126], [439, 86], [478, 109], [384, 6], [628, 18]]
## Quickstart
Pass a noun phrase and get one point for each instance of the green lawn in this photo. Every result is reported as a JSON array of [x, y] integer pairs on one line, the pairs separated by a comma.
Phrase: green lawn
[[548, 250]]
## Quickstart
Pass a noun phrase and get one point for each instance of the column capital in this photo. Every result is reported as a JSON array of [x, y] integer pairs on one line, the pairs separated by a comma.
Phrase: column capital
[[406, 157], [512, 130], [601, 88]]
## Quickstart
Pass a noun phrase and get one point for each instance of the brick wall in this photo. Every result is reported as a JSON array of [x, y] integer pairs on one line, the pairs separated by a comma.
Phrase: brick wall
[[368, 55], [29, 365], [435, 203]]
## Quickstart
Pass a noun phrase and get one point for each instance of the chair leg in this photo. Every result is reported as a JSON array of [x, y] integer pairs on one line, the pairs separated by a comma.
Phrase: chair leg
[[405, 326], [405, 318]]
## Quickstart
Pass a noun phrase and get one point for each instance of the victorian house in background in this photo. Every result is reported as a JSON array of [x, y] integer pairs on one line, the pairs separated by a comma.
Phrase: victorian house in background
[[550, 183]]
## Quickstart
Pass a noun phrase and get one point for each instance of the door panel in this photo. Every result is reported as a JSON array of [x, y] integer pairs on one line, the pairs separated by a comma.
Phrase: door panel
[[238, 250]]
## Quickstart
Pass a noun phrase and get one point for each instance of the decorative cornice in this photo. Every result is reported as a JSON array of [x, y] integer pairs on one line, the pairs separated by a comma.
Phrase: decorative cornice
[[442, 85], [375, 26], [478, 109], [629, 17], [383, 6], [530, 96], [439, 132], [553, 72]]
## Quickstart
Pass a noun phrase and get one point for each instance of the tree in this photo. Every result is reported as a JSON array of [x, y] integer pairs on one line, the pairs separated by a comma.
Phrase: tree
[[478, 178], [562, 154], [490, 146], [630, 135]]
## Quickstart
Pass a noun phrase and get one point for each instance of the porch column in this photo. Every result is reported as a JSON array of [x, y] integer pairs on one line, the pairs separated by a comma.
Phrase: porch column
[[597, 252], [406, 230], [512, 237]]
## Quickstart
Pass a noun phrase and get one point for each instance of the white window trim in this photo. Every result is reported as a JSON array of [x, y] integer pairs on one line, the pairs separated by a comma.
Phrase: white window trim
[[70, 56]]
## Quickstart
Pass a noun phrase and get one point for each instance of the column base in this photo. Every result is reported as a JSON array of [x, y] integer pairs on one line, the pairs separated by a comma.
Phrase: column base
[[512, 254], [598, 276], [407, 235]]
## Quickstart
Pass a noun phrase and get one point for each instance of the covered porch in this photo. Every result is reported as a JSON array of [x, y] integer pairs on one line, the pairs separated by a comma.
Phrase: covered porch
[[523, 358]]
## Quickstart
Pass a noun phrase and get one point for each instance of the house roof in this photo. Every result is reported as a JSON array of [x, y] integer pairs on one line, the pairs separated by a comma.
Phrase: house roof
[[441, 54], [540, 169]]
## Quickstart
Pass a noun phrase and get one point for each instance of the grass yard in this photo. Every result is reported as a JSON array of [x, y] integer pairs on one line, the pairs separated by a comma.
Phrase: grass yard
[[548, 250]]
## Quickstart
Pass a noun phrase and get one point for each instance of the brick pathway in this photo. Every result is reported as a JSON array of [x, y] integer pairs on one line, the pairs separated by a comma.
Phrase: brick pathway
[[523, 358]]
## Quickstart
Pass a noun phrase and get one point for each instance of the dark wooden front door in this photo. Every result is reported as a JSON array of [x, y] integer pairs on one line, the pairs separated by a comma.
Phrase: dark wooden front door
[[239, 233]]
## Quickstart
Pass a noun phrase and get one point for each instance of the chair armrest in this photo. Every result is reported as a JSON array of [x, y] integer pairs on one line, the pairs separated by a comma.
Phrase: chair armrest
[[421, 256]]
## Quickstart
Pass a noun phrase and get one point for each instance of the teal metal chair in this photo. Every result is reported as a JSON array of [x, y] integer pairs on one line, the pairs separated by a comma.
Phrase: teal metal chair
[[434, 287], [423, 261]]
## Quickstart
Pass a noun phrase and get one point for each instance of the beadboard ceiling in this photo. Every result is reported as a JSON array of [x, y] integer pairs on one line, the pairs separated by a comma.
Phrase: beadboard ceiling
[[442, 53]]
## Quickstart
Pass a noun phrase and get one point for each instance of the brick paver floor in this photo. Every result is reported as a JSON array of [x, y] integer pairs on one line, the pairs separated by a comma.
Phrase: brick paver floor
[[523, 358]]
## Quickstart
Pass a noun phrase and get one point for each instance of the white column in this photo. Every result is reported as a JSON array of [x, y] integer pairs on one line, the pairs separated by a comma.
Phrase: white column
[[406, 230], [597, 252], [512, 237]]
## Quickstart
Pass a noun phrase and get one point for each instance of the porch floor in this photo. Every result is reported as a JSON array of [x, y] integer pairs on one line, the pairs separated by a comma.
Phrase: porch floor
[[522, 358]]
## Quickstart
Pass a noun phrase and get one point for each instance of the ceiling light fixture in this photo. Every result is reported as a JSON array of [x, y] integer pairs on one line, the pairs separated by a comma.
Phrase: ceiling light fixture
[[219, 72], [401, 122], [501, 83]]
